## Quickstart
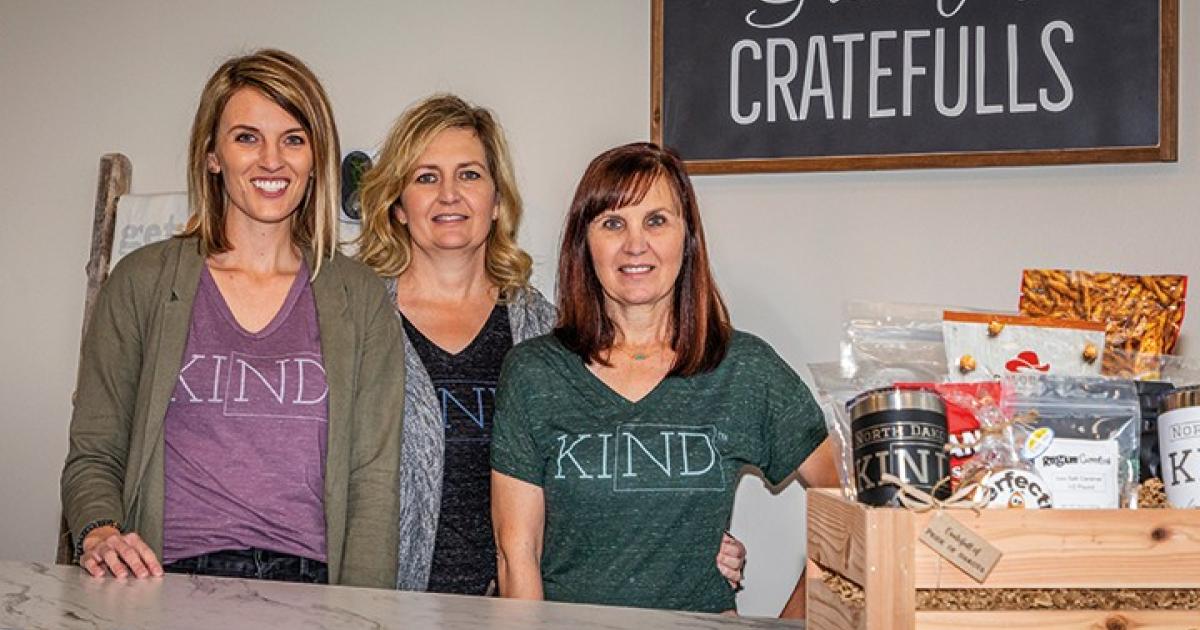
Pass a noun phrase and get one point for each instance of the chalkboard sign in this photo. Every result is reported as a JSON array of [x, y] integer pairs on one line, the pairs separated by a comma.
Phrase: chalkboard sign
[[797, 85]]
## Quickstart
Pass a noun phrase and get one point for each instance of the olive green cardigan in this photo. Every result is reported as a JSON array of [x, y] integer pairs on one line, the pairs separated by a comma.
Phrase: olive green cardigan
[[127, 371]]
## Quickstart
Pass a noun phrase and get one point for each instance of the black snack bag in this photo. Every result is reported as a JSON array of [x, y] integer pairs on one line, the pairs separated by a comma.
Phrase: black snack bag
[[1149, 394]]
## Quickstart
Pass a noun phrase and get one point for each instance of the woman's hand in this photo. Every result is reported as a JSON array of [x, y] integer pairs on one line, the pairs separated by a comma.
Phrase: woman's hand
[[731, 559], [107, 550]]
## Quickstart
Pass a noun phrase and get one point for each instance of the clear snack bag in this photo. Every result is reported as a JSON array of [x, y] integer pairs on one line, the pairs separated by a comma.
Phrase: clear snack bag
[[1091, 458], [835, 388], [988, 345], [1000, 473], [879, 334], [883, 344]]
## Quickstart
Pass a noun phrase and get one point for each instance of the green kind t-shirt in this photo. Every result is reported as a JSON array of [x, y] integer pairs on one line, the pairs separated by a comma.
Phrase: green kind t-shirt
[[638, 493]]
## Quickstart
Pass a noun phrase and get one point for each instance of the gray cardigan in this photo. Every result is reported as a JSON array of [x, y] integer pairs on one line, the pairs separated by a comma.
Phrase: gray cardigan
[[423, 450]]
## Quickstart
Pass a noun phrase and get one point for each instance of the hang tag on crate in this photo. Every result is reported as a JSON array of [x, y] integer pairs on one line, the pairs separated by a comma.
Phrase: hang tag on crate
[[960, 546]]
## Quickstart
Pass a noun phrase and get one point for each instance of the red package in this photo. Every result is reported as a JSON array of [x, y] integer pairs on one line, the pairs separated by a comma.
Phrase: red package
[[961, 424]]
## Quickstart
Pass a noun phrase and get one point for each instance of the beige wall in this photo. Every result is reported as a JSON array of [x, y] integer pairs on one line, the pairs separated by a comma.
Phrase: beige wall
[[568, 79]]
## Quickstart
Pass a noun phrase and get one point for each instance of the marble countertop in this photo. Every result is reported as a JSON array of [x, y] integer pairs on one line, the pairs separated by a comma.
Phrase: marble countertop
[[52, 596]]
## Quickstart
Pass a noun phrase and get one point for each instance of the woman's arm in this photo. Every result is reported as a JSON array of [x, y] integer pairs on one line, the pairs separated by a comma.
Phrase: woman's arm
[[93, 477], [518, 522], [818, 471], [797, 606]]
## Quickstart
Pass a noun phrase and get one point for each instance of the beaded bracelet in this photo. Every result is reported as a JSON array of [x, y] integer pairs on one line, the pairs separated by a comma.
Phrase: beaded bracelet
[[87, 529]]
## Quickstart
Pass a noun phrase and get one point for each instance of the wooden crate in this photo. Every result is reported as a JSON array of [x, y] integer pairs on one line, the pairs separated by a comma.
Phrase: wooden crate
[[878, 550]]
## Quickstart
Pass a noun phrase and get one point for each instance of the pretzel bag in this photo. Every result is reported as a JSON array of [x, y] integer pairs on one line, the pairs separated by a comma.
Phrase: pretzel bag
[[1141, 314]]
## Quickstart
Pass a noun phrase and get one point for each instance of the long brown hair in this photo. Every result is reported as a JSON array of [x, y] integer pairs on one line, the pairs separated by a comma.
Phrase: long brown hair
[[285, 80], [618, 178]]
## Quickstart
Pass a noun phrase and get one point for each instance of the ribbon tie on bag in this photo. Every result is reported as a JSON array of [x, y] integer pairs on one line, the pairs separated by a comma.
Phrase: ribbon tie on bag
[[919, 501]]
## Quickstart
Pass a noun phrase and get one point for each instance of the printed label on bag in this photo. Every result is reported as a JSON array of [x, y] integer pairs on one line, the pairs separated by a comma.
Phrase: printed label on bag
[[1082, 473], [960, 546]]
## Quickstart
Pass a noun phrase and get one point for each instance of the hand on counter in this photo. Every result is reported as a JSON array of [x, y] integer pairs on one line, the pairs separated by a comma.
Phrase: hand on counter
[[106, 550]]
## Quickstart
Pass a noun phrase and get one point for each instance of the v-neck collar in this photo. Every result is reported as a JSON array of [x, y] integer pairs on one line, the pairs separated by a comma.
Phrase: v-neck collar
[[610, 395], [281, 316], [471, 346]]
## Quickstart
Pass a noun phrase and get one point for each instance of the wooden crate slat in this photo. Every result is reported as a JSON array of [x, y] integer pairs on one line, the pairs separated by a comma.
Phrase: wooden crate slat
[[836, 534], [888, 586], [1075, 549], [1059, 620]]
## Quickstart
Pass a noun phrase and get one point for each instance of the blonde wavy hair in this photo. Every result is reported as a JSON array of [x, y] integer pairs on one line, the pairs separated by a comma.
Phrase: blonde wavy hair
[[285, 80], [385, 244]]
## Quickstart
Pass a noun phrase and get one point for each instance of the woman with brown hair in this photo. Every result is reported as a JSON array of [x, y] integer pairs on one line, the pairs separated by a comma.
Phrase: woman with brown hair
[[620, 437], [241, 384]]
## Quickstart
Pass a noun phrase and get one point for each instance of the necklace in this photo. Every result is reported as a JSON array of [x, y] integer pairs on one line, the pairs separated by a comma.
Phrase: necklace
[[643, 354]]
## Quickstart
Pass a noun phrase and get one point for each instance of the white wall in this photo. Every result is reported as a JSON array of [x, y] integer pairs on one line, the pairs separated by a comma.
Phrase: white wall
[[568, 78]]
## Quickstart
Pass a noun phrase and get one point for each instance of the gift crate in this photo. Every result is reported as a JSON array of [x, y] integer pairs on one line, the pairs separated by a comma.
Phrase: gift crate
[[868, 570]]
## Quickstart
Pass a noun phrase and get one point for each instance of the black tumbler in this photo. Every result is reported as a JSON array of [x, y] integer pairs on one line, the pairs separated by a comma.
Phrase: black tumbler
[[902, 432]]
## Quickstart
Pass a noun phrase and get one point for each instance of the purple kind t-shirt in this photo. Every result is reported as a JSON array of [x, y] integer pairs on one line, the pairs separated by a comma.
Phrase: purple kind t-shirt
[[246, 432]]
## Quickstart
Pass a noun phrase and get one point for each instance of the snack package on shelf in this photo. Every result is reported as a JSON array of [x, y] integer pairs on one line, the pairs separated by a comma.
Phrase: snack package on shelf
[[878, 334], [988, 345], [1087, 433], [1001, 471], [1142, 314], [833, 390], [1168, 368], [962, 402]]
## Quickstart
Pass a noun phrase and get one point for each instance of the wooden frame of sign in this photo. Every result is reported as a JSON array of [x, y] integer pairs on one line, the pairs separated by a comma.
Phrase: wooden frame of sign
[[701, 130]]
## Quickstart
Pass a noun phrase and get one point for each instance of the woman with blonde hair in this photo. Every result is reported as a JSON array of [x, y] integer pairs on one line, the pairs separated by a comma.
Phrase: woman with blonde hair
[[440, 216], [441, 212], [238, 404]]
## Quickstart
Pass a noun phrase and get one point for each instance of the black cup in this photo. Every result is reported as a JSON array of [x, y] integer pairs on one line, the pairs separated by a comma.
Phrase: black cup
[[902, 432]]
